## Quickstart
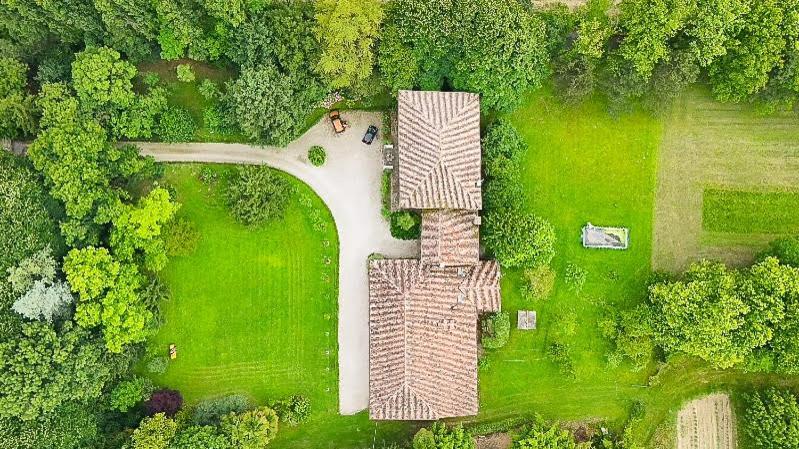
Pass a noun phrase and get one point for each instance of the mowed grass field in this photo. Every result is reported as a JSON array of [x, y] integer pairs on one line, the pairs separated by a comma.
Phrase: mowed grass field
[[582, 166], [254, 311], [726, 176]]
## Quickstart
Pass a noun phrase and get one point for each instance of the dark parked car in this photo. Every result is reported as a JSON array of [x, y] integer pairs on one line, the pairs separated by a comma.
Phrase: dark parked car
[[370, 135]]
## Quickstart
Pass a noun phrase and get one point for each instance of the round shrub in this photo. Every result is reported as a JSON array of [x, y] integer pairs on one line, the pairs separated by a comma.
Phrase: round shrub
[[150, 79], [128, 393], [294, 410], [176, 125], [785, 249], [317, 155], [208, 89], [538, 282], [185, 73], [405, 225], [157, 365]]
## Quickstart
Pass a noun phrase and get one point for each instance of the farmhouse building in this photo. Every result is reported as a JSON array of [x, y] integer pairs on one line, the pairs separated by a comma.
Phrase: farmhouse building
[[423, 313]]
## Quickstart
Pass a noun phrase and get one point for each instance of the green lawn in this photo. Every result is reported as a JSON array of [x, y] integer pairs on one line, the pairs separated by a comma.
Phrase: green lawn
[[255, 311], [750, 212], [581, 166]]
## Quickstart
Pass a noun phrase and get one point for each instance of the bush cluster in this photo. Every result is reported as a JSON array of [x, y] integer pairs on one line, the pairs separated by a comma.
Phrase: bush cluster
[[495, 330], [176, 125], [317, 156]]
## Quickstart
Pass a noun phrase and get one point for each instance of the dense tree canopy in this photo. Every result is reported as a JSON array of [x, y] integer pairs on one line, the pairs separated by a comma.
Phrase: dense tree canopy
[[770, 419], [108, 296], [44, 368], [16, 106], [347, 31], [496, 48]]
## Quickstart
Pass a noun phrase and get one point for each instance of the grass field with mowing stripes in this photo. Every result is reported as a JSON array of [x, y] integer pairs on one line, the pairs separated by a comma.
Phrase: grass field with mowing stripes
[[750, 212]]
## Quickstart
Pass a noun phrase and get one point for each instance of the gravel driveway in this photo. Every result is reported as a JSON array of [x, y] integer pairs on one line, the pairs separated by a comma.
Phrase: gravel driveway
[[349, 183]]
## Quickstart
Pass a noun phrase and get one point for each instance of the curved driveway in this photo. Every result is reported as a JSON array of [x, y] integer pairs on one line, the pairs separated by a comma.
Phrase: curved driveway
[[349, 183]]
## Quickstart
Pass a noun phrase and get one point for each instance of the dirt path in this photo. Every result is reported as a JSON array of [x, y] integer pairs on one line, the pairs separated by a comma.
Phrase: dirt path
[[349, 183], [707, 423], [710, 144]]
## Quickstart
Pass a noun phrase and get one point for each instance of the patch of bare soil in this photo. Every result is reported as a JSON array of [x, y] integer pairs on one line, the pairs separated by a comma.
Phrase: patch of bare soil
[[707, 423]]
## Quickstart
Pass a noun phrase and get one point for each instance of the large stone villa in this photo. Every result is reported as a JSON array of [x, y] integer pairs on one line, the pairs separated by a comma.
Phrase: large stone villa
[[423, 313]]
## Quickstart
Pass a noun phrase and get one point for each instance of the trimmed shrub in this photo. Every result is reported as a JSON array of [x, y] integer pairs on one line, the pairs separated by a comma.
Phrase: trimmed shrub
[[294, 410], [538, 282], [496, 330], [211, 411], [185, 73], [317, 156], [253, 429], [405, 225], [157, 365], [209, 90], [181, 237], [150, 79], [176, 125]]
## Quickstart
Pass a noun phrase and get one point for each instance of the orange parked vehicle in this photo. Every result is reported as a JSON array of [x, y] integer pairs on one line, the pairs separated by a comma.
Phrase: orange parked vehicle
[[339, 126]]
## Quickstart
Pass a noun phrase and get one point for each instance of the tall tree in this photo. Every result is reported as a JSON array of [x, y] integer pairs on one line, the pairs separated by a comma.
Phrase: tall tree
[[648, 26], [132, 26], [42, 369], [347, 30], [770, 419], [108, 296], [16, 106]]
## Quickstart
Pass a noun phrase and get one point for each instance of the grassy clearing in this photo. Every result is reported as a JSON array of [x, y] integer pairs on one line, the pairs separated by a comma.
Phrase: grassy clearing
[[255, 311], [708, 145], [750, 212], [187, 95], [581, 166]]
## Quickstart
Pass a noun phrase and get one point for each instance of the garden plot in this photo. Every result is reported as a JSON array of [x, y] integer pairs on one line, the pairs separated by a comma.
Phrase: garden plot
[[707, 423]]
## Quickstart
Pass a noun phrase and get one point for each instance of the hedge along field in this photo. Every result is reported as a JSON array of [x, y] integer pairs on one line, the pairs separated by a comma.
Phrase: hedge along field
[[750, 212], [254, 311]]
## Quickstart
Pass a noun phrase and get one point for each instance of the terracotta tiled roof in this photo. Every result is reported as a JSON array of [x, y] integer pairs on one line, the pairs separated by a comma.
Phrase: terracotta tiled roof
[[438, 140], [450, 237], [423, 337]]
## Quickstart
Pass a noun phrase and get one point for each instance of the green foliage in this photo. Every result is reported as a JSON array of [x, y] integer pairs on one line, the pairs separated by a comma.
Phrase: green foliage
[[40, 265], [439, 436], [102, 80], [541, 436], [70, 426], [131, 26], [253, 429], [347, 31], [107, 296], [209, 90], [185, 73], [128, 393], [270, 106], [785, 249], [200, 437], [154, 432], [769, 419], [17, 116], [538, 282], [180, 237], [157, 365], [632, 334], [495, 330], [136, 231], [723, 315], [518, 239], [496, 49], [22, 200], [648, 26], [42, 368], [180, 31], [575, 277], [176, 125], [560, 354], [756, 50], [257, 194], [317, 156], [211, 411], [294, 410], [503, 149], [405, 225]]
